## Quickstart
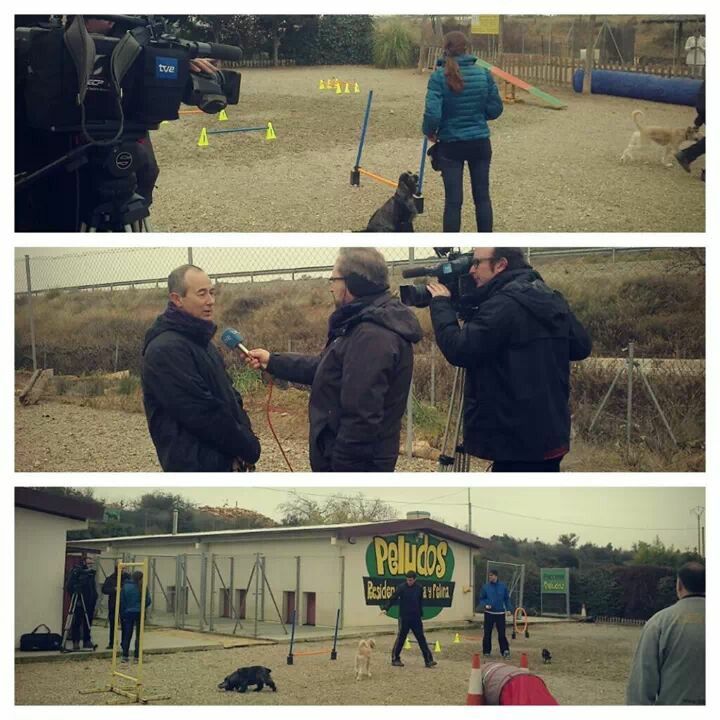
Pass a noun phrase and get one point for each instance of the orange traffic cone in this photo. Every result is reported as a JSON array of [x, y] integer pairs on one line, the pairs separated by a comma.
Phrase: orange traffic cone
[[475, 694], [523, 660]]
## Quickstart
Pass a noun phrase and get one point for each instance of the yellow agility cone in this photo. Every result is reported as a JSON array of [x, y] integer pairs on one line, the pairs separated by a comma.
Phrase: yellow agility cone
[[222, 116], [457, 638], [437, 647], [270, 132], [338, 89], [203, 139], [406, 646], [357, 88], [322, 85], [347, 88]]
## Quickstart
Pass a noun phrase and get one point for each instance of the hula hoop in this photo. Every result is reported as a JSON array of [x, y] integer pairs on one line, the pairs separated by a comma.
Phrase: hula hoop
[[517, 612]]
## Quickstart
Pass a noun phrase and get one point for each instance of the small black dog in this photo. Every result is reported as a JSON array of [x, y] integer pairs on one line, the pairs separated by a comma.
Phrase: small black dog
[[546, 656], [242, 677], [398, 213]]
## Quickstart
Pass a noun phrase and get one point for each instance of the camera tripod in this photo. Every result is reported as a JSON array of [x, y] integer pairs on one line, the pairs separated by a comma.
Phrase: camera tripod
[[70, 620], [459, 461]]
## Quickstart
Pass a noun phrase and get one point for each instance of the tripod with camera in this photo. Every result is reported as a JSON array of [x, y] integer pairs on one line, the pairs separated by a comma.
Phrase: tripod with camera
[[77, 608]]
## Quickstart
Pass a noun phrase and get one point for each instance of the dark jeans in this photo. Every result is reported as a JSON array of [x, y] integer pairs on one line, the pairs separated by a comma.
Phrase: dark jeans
[[540, 466], [453, 157], [406, 625], [692, 153], [130, 622], [499, 622], [111, 623]]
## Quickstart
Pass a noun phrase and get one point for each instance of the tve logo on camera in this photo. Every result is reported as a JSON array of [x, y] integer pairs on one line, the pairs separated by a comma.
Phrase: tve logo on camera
[[166, 68]]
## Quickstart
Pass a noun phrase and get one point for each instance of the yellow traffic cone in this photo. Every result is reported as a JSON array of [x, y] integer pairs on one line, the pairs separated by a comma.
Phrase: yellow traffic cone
[[222, 116], [347, 88], [338, 89], [406, 646], [357, 88], [270, 132], [322, 85], [457, 638], [203, 139], [437, 647]]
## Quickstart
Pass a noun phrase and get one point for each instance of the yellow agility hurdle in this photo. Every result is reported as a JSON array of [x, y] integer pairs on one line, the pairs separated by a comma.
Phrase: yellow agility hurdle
[[134, 691]]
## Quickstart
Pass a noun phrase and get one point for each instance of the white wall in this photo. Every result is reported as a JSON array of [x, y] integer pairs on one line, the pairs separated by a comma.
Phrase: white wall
[[40, 569]]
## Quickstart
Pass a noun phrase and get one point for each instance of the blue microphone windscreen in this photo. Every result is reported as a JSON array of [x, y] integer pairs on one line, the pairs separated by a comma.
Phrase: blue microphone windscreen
[[231, 338]]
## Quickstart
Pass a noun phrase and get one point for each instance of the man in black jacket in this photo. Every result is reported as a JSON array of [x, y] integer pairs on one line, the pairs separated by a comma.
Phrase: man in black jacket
[[692, 153], [409, 596], [109, 588], [516, 349], [195, 415], [361, 380]]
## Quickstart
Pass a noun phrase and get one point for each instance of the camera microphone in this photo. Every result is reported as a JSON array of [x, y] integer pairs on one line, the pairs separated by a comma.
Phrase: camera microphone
[[234, 340]]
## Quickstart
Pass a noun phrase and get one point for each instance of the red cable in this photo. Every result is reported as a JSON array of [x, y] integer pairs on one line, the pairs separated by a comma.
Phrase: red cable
[[270, 425]]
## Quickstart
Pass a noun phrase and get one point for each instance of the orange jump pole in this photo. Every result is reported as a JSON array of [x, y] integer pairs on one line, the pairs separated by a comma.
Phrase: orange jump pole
[[379, 178]]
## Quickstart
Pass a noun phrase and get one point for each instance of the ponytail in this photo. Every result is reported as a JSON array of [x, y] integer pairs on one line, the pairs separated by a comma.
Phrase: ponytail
[[455, 44]]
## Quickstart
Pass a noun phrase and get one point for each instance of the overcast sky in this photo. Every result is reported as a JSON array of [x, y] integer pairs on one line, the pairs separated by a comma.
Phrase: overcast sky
[[616, 515]]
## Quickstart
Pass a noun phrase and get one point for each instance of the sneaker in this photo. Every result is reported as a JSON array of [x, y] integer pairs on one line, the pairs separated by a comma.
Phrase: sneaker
[[398, 663], [124, 659], [506, 654], [430, 664], [684, 164], [487, 655], [76, 645]]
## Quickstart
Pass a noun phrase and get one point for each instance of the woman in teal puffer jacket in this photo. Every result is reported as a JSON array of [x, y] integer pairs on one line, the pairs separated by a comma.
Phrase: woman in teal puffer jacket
[[461, 98]]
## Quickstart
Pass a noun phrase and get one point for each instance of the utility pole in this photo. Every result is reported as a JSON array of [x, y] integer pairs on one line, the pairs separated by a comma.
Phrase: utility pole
[[469, 512], [699, 511]]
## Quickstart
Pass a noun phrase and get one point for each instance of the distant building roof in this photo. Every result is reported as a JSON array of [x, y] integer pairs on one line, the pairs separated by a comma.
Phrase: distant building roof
[[61, 505], [342, 531]]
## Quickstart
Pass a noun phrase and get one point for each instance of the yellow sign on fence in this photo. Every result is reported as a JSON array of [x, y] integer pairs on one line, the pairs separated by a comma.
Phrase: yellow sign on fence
[[485, 24]]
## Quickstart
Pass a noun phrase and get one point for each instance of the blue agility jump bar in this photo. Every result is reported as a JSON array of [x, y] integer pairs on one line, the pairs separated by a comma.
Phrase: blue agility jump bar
[[421, 174], [364, 129], [217, 132]]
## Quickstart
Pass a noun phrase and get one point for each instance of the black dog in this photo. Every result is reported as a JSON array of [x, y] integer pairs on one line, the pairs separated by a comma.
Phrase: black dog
[[242, 677], [398, 213], [546, 656]]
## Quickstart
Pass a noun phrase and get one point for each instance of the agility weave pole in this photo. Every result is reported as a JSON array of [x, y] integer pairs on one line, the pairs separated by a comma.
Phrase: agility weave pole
[[358, 170], [135, 691], [333, 652]]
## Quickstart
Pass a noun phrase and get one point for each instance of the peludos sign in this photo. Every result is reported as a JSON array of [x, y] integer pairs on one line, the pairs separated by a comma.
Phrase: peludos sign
[[390, 558]]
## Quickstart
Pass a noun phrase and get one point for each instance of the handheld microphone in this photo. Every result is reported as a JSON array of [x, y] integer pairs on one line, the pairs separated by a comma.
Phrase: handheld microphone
[[234, 340]]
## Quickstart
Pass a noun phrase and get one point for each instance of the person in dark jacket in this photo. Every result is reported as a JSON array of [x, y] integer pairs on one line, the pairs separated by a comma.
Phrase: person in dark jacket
[[409, 597], [461, 98], [361, 380], [109, 588], [130, 613], [691, 154], [516, 350], [81, 583], [494, 600], [195, 415]]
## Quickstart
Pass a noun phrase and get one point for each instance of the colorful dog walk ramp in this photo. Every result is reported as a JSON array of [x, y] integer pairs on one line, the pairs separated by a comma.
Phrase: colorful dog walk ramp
[[517, 82]]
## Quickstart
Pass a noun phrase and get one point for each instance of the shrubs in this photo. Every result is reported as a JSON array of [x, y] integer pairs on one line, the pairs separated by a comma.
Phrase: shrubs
[[394, 47]]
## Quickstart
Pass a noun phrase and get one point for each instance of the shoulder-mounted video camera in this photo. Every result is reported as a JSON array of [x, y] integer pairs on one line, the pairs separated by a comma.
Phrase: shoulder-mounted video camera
[[81, 578], [137, 77], [453, 273]]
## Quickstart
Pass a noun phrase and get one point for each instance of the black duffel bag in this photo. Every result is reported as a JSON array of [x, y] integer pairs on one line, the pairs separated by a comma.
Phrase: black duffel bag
[[40, 640]]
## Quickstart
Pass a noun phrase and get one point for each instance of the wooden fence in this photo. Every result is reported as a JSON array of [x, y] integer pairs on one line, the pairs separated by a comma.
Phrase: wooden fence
[[558, 70]]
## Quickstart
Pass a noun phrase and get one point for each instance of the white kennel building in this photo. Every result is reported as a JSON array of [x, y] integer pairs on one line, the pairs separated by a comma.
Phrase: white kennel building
[[249, 582]]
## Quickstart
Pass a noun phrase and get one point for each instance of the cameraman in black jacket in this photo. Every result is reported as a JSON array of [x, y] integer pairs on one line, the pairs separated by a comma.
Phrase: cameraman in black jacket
[[516, 349], [409, 596], [81, 582]]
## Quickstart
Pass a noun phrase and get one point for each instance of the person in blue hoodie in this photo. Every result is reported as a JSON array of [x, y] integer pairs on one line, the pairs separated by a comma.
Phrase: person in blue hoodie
[[461, 98], [130, 606], [494, 600]]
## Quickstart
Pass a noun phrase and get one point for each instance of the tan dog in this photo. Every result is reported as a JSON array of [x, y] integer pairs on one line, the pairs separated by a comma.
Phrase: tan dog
[[669, 139], [362, 659]]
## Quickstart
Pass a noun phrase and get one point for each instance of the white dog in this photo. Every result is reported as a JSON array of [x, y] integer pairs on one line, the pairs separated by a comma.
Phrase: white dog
[[649, 137], [362, 659]]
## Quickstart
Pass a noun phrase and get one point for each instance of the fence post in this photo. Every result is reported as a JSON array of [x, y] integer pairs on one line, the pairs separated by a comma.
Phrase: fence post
[[30, 311], [630, 372], [211, 614], [409, 423], [432, 374], [257, 591], [190, 256], [117, 351], [297, 585], [342, 591]]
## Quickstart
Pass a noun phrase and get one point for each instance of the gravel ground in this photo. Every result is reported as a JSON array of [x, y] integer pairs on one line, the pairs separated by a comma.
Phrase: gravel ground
[[552, 171], [590, 666]]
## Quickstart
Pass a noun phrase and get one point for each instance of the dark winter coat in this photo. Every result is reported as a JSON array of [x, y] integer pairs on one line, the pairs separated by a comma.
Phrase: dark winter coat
[[359, 385], [194, 413], [130, 597], [464, 115], [409, 600], [517, 349]]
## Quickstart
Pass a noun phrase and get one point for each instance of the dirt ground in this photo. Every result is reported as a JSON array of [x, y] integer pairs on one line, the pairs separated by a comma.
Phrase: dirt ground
[[590, 666], [552, 170], [59, 437]]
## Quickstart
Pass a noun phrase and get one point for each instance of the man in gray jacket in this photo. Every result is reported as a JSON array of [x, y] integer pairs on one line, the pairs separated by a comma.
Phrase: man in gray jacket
[[669, 663]]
